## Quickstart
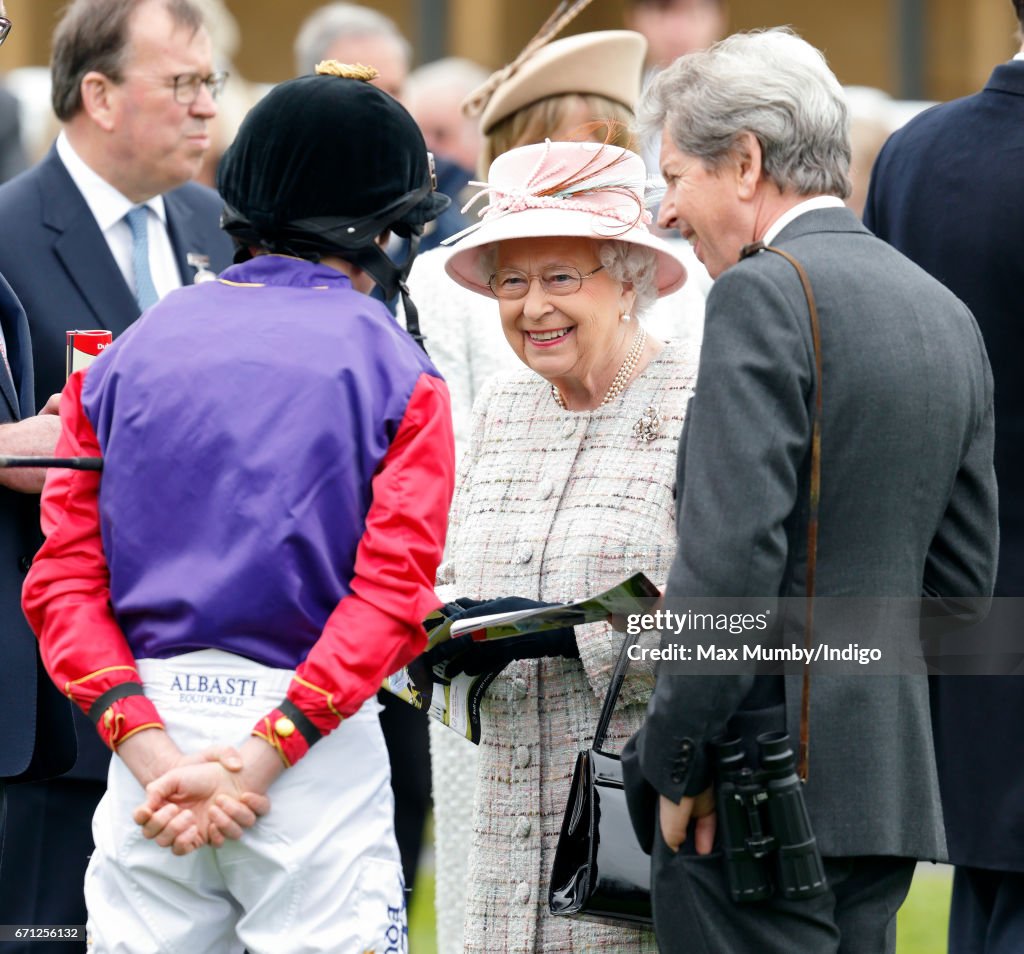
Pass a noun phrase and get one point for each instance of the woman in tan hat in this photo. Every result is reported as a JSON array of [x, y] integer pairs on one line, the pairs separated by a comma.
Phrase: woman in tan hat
[[559, 90], [565, 490]]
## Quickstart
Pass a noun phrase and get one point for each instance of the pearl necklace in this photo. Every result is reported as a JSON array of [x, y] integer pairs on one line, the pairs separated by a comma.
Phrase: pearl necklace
[[621, 379]]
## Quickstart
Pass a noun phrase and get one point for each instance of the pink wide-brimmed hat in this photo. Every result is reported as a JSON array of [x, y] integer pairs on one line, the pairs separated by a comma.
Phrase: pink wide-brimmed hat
[[562, 189]]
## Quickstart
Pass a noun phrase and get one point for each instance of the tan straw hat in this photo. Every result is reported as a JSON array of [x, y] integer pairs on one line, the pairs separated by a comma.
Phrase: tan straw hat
[[607, 63], [563, 189]]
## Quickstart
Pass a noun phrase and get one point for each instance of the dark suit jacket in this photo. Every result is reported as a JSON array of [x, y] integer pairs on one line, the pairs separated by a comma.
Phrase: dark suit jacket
[[907, 504], [947, 191], [12, 152], [31, 708], [59, 265]]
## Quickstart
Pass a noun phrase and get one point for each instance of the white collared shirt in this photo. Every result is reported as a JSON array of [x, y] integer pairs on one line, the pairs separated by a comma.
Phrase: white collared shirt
[[109, 208], [808, 205]]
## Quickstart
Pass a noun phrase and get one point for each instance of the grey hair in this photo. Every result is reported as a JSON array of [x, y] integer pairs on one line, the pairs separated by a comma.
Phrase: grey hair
[[451, 72], [623, 261], [770, 83], [335, 21]]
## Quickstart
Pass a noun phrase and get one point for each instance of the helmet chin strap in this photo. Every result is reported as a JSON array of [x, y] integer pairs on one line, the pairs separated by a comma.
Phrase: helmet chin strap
[[390, 277], [312, 239]]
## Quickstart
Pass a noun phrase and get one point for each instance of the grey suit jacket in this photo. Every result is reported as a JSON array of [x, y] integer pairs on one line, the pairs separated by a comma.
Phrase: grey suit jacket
[[908, 505]]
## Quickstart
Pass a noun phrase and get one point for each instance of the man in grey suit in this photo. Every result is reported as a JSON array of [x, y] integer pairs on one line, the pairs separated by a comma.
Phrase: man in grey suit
[[755, 149]]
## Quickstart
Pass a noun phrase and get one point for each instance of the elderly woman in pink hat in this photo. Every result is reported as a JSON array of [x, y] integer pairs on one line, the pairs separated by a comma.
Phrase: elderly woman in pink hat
[[566, 489]]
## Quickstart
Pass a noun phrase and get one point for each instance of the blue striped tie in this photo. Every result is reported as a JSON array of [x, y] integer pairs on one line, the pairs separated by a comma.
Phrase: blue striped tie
[[145, 291]]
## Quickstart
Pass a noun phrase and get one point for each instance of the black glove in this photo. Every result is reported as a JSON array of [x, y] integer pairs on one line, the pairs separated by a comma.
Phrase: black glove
[[474, 657]]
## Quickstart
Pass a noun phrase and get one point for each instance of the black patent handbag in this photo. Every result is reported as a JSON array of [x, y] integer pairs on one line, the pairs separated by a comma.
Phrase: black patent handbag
[[600, 872]]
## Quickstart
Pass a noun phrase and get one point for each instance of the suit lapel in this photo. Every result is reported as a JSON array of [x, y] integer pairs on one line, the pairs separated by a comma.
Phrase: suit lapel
[[83, 252], [184, 237], [11, 316]]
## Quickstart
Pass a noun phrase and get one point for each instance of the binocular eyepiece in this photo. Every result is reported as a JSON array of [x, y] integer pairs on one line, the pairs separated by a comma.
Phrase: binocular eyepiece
[[765, 830]]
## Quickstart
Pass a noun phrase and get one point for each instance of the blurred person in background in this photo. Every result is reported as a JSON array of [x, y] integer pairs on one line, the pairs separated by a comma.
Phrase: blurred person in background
[[672, 29], [564, 491], [107, 223], [582, 86], [871, 123], [350, 33], [237, 97], [947, 191], [35, 721], [434, 95]]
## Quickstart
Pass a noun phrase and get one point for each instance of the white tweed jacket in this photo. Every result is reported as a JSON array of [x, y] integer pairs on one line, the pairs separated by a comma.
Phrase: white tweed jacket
[[556, 505]]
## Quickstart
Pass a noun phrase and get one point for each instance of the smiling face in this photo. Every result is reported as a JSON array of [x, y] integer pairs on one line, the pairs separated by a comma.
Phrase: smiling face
[[571, 340], [706, 208]]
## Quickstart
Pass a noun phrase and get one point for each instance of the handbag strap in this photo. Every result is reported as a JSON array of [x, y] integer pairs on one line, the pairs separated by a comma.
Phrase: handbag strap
[[815, 495], [611, 697]]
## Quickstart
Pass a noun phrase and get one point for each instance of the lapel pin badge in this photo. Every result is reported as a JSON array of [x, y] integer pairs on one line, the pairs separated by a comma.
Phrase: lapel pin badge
[[201, 263]]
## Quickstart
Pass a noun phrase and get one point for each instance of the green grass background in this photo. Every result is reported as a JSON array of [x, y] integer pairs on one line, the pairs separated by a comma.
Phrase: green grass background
[[921, 926]]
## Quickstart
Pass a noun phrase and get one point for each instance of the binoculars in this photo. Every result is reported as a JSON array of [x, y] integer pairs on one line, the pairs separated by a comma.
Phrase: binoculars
[[766, 834]]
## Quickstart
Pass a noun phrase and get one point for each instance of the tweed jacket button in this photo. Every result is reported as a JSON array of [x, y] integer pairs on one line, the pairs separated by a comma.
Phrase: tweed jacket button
[[522, 756], [519, 688], [525, 555], [677, 778], [545, 490], [523, 893], [568, 428], [523, 827]]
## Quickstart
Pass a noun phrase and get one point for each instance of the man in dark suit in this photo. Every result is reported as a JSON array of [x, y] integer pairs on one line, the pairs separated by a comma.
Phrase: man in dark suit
[[134, 134], [946, 191], [35, 722], [755, 149], [107, 223]]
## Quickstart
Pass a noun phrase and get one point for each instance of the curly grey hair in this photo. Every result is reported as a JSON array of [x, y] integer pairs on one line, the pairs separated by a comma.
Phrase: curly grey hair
[[623, 261], [769, 83]]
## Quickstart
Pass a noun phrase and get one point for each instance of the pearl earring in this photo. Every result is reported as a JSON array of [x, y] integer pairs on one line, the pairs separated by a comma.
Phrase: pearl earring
[[624, 316]]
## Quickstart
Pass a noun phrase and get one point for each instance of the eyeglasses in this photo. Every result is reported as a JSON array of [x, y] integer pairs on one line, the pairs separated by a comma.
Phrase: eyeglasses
[[5, 28], [512, 283], [186, 86]]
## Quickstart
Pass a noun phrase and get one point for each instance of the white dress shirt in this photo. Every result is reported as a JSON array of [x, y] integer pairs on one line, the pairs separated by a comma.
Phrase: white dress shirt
[[109, 208], [808, 205]]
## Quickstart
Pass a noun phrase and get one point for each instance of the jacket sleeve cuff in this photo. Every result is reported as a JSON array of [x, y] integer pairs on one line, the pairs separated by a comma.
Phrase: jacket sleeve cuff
[[119, 716], [289, 731]]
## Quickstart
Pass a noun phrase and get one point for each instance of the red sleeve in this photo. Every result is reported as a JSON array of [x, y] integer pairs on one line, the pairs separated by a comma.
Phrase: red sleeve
[[377, 629], [67, 591]]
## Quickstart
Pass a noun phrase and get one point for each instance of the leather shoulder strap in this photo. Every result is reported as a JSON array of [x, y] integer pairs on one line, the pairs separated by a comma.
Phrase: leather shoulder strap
[[815, 491]]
